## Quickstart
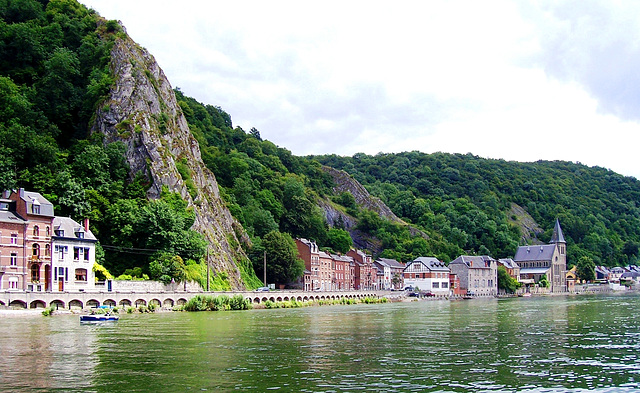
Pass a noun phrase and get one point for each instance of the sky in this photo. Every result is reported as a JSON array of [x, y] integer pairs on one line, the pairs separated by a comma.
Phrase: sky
[[514, 80]]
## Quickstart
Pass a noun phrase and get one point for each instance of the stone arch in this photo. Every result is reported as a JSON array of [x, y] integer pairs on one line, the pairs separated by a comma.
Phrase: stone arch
[[75, 303], [141, 302], [273, 299], [168, 303], [38, 304], [155, 301], [125, 303], [279, 299], [18, 304], [286, 298], [299, 298], [2, 303], [181, 302], [109, 302], [93, 303], [57, 304], [305, 299], [264, 299], [256, 300]]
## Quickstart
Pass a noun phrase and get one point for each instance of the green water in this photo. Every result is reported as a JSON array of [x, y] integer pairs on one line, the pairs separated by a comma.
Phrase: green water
[[512, 345]]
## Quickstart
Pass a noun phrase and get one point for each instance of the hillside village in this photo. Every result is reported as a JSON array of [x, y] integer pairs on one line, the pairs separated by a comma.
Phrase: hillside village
[[41, 252]]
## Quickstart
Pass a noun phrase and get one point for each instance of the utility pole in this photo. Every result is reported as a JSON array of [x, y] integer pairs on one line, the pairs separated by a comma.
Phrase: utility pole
[[207, 269], [265, 268]]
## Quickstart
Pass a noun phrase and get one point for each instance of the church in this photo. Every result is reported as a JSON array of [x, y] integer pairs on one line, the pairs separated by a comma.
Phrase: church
[[550, 260]]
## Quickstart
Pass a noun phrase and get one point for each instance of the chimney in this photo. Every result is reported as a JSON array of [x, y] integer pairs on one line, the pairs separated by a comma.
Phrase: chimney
[[86, 224], [21, 192]]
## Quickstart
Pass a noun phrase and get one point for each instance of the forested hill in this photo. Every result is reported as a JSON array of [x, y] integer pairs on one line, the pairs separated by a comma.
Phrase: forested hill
[[476, 204], [59, 78]]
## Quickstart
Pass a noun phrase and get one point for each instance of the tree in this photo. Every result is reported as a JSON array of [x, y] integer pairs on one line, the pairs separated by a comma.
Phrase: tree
[[339, 240], [283, 264], [506, 282], [544, 282], [586, 269]]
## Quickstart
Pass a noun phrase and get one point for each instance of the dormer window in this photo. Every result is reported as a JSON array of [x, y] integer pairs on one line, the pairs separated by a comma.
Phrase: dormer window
[[59, 232], [35, 209], [80, 235]]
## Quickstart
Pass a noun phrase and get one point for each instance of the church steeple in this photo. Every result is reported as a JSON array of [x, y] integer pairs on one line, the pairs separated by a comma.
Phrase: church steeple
[[557, 236]]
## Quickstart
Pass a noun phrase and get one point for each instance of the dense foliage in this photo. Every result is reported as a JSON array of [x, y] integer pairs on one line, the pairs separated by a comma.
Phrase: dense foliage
[[54, 71], [465, 203]]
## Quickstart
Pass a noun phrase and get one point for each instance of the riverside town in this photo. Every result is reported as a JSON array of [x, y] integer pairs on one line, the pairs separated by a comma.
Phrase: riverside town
[[50, 261]]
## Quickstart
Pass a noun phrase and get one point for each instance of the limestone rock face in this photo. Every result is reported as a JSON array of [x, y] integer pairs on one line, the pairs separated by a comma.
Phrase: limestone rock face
[[142, 112], [346, 183]]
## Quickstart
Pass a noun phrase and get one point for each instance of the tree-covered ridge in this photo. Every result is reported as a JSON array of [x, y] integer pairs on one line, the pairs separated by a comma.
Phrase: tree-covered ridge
[[467, 200], [54, 72]]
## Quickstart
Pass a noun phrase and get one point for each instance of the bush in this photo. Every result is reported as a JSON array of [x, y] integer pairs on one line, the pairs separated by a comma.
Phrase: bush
[[48, 311]]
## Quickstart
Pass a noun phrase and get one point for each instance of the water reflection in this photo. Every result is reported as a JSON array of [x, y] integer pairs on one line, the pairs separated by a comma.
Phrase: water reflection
[[515, 345]]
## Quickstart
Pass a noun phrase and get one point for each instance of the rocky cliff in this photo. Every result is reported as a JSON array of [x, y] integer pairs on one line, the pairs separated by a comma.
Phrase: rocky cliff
[[142, 112], [345, 183]]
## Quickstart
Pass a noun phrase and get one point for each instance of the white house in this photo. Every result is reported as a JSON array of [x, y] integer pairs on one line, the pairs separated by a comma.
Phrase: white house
[[428, 274], [74, 253]]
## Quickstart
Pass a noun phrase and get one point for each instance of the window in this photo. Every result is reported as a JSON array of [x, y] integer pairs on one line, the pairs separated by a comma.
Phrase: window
[[48, 231], [445, 285], [36, 250], [47, 250], [61, 250], [13, 282], [35, 272], [35, 209], [14, 259], [81, 274], [80, 253], [36, 231], [14, 238], [435, 285], [86, 254]]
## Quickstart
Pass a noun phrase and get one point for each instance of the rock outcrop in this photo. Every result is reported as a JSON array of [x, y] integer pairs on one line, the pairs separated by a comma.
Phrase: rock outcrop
[[346, 183], [142, 112]]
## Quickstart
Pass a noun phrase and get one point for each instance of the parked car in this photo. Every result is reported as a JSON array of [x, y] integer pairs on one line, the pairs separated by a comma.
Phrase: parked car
[[262, 289], [408, 288]]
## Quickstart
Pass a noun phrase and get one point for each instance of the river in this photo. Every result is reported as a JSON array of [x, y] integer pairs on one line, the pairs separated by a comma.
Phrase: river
[[551, 344]]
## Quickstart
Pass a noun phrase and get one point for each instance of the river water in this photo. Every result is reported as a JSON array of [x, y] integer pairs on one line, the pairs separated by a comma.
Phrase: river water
[[546, 344]]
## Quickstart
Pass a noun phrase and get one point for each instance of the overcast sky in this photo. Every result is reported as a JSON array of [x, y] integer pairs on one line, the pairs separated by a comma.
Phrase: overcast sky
[[518, 80]]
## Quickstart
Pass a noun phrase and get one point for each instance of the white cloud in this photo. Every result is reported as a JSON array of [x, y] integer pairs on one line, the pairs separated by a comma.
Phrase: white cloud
[[515, 80]]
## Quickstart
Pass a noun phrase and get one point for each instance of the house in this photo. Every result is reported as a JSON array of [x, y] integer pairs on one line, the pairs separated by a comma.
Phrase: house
[[13, 253], [428, 274], [512, 268], [384, 274], [74, 253], [478, 274], [325, 272], [346, 270], [38, 214], [396, 273], [365, 272], [308, 251], [572, 279], [548, 260], [602, 273]]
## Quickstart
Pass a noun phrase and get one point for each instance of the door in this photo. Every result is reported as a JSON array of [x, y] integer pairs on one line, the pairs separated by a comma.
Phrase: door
[[61, 285], [47, 278]]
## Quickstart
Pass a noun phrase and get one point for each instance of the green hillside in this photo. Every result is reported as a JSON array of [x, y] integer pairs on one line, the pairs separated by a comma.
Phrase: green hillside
[[54, 73], [475, 204]]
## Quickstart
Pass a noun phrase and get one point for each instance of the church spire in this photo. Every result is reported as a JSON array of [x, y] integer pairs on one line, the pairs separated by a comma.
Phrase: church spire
[[557, 236]]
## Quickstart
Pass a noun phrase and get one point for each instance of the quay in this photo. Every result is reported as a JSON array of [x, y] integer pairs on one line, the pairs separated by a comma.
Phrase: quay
[[165, 299]]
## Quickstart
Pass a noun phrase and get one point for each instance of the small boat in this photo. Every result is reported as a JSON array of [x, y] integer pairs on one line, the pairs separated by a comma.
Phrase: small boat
[[526, 294], [98, 318]]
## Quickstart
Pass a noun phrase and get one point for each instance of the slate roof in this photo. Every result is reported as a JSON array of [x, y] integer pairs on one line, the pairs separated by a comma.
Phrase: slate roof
[[8, 214], [557, 236], [534, 253], [431, 263], [478, 262], [35, 198], [508, 263], [534, 270], [71, 229]]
